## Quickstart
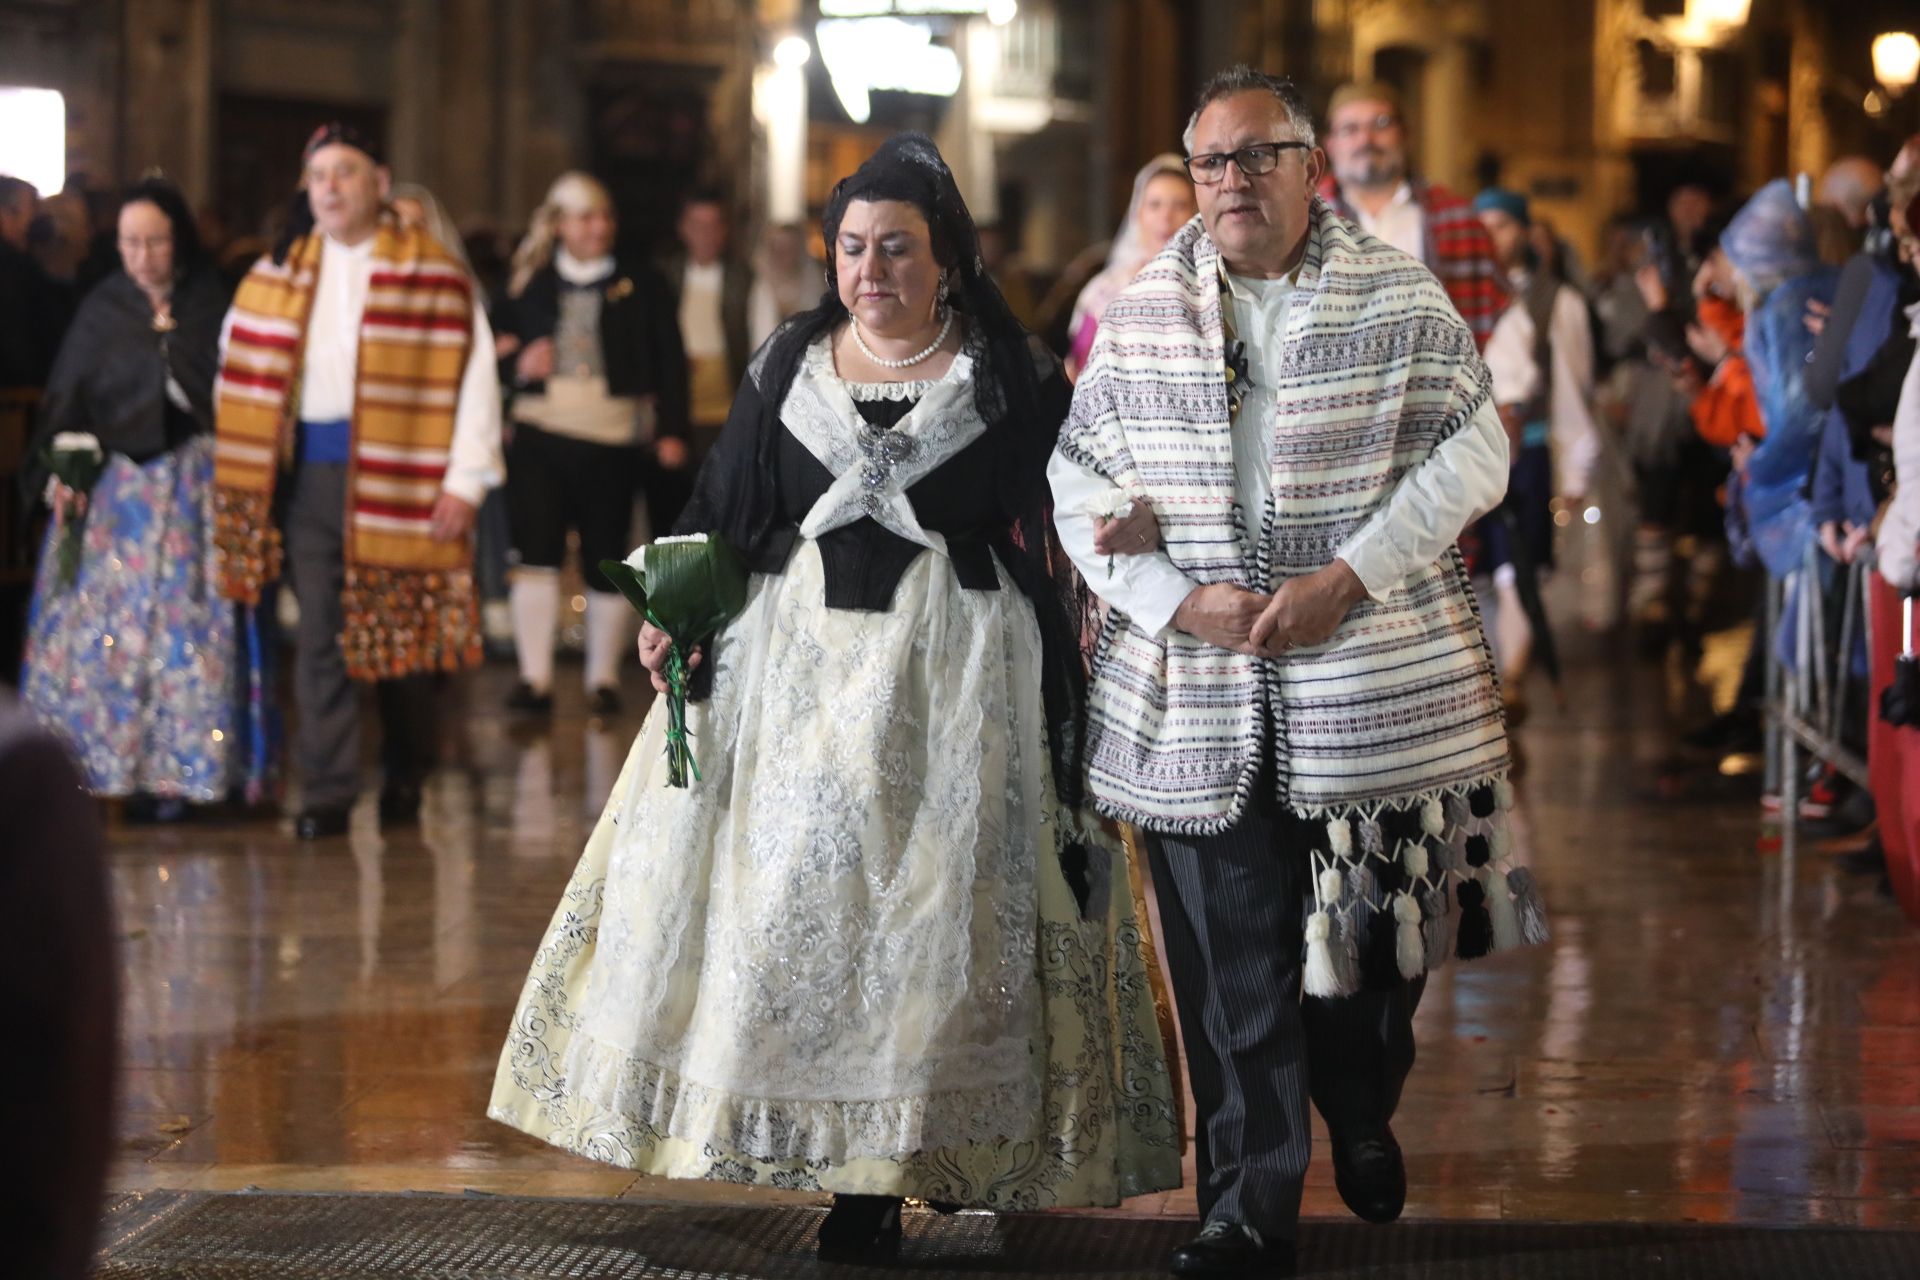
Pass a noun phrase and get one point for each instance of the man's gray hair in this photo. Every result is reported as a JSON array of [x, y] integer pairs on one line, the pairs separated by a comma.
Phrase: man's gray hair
[[1244, 79]]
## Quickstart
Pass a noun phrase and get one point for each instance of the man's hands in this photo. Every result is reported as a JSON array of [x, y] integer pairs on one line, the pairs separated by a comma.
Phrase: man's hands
[[1222, 615], [1304, 612], [653, 655], [452, 518], [1134, 534]]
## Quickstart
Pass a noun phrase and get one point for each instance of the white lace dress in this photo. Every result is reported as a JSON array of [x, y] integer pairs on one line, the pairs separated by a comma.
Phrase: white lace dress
[[847, 959]]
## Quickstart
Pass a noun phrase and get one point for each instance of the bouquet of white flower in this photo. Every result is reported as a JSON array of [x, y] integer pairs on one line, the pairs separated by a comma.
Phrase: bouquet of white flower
[[688, 587], [76, 461]]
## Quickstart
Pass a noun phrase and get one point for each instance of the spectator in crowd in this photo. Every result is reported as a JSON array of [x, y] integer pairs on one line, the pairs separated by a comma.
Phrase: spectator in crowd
[[787, 280], [32, 310], [599, 385], [1161, 204], [1849, 186], [709, 290], [1373, 184]]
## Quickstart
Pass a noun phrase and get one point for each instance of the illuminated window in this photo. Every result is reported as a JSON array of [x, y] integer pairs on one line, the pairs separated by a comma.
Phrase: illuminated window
[[33, 137]]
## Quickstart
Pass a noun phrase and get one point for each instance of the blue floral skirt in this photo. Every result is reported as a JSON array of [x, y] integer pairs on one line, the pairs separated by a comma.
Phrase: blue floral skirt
[[140, 664]]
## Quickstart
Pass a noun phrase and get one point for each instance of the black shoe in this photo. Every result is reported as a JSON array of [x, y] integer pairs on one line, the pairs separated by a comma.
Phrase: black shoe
[[525, 700], [322, 822], [400, 805], [604, 701], [1370, 1174], [861, 1229], [1230, 1249]]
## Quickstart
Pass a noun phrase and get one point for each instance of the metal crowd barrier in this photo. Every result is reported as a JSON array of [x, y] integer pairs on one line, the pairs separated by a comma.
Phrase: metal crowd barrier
[[1806, 705]]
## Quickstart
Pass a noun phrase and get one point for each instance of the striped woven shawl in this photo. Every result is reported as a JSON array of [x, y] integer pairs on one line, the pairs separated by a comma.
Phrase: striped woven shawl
[[1376, 369], [408, 600]]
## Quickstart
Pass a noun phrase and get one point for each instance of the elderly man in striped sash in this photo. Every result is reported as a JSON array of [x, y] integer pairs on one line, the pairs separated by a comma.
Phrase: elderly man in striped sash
[[357, 429], [1282, 430]]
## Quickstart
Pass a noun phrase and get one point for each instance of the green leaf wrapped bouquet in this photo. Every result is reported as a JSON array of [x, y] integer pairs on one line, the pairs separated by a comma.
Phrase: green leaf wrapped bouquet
[[688, 587], [76, 460]]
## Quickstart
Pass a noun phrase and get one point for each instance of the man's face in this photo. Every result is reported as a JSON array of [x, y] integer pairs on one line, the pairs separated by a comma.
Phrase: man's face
[[588, 234], [1257, 221], [703, 232], [1508, 234], [346, 189], [1367, 144], [16, 219]]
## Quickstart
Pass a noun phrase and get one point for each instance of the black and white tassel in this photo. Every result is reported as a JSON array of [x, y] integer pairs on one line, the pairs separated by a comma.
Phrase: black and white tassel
[[1476, 928], [1433, 819], [1321, 979], [1528, 906], [1410, 952]]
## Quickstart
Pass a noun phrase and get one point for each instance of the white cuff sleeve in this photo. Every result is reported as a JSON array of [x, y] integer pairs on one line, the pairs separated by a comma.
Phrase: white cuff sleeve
[[1147, 588]]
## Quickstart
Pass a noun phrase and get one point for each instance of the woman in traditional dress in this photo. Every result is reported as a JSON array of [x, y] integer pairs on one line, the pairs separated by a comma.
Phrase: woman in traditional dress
[[879, 948], [1162, 203], [136, 662]]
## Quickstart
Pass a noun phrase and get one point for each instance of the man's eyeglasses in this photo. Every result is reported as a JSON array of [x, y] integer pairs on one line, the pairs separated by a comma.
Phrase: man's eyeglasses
[[1373, 124], [1254, 160]]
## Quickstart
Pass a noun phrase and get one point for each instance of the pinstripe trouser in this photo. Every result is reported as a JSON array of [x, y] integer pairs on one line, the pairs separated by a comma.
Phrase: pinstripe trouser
[[1233, 907]]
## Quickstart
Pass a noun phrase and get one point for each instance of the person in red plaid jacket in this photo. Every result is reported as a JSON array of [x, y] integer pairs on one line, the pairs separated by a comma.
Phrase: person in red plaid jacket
[[1371, 185]]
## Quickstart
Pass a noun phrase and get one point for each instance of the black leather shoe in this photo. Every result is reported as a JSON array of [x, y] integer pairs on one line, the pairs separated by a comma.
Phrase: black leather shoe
[[1230, 1249], [400, 806], [861, 1229], [527, 701], [604, 701], [323, 822], [1370, 1174]]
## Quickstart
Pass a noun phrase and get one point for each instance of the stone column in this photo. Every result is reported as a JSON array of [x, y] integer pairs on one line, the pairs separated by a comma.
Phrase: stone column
[[167, 120]]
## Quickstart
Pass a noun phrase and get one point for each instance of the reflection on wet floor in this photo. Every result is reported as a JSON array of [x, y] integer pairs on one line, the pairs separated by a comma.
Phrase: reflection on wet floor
[[1710, 1035]]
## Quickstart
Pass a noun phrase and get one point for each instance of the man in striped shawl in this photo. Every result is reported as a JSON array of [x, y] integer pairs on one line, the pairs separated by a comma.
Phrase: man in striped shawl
[[1282, 430], [357, 428]]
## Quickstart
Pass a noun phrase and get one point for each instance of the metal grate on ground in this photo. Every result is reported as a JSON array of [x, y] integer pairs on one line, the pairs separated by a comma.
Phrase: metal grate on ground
[[283, 1236]]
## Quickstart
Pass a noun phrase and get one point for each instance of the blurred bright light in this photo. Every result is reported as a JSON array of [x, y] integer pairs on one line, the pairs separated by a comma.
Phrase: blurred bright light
[[1717, 13], [1001, 12], [864, 54], [1591, 515], [1896, 60], [1874, 104], [33, 137], [792, 51]]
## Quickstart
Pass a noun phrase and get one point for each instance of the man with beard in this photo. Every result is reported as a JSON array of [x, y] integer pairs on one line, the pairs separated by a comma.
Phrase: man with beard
[[1373, 186]]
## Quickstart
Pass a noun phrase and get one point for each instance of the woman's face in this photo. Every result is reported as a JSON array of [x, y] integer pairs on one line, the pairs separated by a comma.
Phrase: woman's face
[[146, 245], [1165, 207], [888, 277], [588, 234]]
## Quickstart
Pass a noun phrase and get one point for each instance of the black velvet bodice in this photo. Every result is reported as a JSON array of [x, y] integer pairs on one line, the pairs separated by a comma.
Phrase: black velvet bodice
[[864, 561]]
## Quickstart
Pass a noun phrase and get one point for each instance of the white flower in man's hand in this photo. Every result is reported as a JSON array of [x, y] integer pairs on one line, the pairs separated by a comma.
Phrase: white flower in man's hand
[[1122, 524]]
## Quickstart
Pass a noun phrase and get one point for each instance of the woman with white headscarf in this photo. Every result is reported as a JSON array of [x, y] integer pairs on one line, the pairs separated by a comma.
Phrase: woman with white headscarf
[[1162, 203], [598, 380]]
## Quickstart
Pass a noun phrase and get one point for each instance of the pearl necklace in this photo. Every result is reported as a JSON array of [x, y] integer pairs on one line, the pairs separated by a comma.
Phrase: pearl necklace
[[945, 328]]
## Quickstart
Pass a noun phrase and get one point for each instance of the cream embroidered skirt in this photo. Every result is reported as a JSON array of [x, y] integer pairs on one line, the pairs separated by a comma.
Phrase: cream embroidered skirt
[[847, 959]]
